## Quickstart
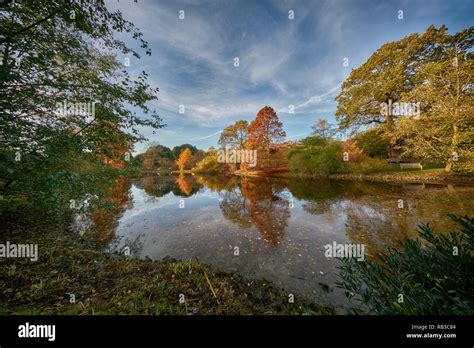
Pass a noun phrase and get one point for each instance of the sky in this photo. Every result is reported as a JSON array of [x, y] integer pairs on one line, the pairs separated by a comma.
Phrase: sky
[[291, 64]]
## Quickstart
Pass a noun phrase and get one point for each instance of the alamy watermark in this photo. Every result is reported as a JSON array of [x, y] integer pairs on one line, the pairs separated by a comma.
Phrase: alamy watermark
[[345, 251], [82, 109], [229, 155], [9, 250], [400, 109], [37, 331]]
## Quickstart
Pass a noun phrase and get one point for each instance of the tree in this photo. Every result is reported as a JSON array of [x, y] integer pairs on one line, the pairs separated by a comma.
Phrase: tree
[[323, 129], [265, 130], [185, 158], [177, 150], [210, 164], [387, 75], [235, 135], [164, 151], [151, 159], [155, 157], [65, 96], [373, 142], [444, 130], [435, 71]]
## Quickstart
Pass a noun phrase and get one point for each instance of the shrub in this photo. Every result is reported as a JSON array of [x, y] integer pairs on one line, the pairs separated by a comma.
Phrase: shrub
[[316, 155], [373, 142], [367, 165], [432, 278], [209, 164]]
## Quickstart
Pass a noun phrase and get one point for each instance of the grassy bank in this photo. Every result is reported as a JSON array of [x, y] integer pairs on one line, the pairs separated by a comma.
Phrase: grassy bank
[[409, 176], [406, 176], [73, 276]]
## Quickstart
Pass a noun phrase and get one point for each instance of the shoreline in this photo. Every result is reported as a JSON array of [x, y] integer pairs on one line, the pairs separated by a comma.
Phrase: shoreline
[[74, 275], [428, 177]]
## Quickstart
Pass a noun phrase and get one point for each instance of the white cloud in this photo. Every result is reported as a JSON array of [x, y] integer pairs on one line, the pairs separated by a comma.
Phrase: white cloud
[[207, 136]]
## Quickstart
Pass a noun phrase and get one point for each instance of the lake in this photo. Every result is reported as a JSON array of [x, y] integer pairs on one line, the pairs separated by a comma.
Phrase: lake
[[273, 228]]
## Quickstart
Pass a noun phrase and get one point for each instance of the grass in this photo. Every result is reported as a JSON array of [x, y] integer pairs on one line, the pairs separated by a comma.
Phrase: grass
[[395, 167]]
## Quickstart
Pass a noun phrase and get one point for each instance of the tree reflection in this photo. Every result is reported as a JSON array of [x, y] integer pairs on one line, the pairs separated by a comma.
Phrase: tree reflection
[[105, 219], [235, 208], [187, 185], [375, 217], [261, 204], [218, 183], [184, 185], [158, 186]]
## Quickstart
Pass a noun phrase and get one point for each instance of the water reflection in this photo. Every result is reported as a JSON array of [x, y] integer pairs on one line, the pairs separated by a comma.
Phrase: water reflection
[[280, 225], [269, 211]]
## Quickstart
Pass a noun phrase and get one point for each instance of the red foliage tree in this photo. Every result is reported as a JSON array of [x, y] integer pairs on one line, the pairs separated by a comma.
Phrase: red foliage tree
[[265, 130]]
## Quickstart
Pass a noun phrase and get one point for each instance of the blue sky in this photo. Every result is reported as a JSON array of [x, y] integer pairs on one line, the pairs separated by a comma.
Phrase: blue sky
[[282, 61]]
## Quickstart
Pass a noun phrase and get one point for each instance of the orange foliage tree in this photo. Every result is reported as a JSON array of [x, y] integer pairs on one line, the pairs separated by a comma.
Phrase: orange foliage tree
[[185, 158], [265, 130], [353, 151]]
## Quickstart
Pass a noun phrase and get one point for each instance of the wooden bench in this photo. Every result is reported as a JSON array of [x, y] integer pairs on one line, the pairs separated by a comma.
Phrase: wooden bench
[[411, 166]]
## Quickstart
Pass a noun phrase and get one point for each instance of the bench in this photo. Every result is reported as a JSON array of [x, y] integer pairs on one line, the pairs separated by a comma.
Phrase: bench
[[411, 166]]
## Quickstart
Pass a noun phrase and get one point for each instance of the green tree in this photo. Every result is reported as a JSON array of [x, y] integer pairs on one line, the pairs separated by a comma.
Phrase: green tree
[[316, 155], [373, 142], [151, 159], [164, 151], [66, 96], [209, 163]]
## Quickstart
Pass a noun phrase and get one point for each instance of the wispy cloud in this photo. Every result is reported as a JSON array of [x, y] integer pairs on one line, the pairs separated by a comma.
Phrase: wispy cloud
[[318, 98], [282, 61], [207, 136]]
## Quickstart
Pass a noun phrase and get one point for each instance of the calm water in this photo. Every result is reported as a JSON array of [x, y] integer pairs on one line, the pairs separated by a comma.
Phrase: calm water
[[280, 226]]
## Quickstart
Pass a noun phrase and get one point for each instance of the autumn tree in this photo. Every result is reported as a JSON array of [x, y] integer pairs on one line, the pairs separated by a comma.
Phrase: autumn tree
[[235, 135], [185, 159], [265, 130], [385, 77], [444, 130], [177, 150], [150, 159], [155, 157]]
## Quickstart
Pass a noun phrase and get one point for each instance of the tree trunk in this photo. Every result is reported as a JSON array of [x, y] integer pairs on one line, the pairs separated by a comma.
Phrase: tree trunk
[[454, 148], [390, 150], [449, 165]]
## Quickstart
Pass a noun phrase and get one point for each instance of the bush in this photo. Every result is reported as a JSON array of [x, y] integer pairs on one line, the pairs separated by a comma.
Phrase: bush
[[316, 155], [373, 142], [209, 164], [367, 165], [432, 278]]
